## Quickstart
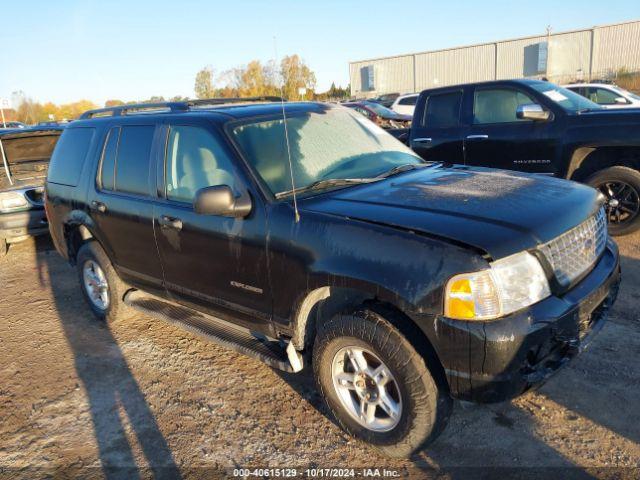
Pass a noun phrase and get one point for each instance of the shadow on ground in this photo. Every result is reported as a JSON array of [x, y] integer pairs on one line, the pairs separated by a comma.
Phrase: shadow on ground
[[118, 406]]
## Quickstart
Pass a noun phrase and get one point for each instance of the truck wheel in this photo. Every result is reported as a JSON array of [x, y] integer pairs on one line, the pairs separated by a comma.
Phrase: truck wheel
[[376, 385], [621, 186], [101, 287]]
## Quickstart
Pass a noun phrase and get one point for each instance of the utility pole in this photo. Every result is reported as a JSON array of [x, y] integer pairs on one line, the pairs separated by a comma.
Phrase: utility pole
[[548, 52]]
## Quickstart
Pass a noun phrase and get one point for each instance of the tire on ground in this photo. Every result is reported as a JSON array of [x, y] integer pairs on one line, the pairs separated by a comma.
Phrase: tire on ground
[[425, 407], [116, 288], [619, 174]]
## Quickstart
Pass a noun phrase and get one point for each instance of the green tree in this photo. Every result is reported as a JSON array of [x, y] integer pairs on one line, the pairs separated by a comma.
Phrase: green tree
[[204, 83], [296, 75]]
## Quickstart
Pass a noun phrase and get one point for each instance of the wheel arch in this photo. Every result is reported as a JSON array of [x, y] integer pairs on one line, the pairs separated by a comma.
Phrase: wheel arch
[[585, 161], [77, 229], [322, 303]]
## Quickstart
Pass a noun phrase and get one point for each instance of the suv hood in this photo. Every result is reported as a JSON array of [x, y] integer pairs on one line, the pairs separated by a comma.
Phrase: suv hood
[[27, 153], [496, 211]]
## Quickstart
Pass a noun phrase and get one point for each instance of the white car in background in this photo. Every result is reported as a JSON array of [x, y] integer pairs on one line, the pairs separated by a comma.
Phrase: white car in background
[[405, 104], [606, 94]]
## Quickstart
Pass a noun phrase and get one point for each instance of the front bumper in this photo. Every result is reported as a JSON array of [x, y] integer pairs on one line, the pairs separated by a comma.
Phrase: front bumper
[[17, 226], [498, 360]]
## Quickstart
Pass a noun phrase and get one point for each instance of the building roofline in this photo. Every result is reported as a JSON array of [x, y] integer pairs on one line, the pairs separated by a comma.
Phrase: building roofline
[[482, 44]]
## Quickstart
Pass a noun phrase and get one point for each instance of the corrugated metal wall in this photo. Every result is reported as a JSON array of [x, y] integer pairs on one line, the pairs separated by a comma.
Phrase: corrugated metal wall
[[583, 54], [512, 57], [459, 65], [616, 46]]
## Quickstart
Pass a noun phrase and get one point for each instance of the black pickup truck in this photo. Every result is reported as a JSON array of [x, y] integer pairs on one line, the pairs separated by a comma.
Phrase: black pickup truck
[[537, 127], [304, 232]]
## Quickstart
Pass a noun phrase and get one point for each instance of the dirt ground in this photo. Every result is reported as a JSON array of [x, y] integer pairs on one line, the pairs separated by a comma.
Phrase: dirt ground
[[143, 399]]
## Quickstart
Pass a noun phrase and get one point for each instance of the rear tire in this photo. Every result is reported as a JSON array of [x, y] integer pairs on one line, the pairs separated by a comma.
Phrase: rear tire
[[621, 186], [101, 287], [419, 409]]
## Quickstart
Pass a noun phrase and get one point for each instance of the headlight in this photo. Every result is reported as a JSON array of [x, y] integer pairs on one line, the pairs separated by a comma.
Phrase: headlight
[[12, 201], [508, 285]]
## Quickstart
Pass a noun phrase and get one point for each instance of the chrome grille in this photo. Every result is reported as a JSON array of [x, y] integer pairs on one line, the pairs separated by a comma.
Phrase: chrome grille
[[575, 251]]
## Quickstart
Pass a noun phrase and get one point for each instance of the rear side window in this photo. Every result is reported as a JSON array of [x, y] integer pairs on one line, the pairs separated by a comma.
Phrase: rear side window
[[69, 155], [125, 160], [443, 110], [408, 101], [132, 163]]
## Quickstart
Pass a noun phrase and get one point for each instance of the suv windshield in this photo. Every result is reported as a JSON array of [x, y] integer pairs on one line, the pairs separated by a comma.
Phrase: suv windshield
[[331, 144], [568, 100]]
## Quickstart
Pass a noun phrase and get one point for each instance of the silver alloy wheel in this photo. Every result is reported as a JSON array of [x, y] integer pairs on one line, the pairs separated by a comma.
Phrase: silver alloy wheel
[[366, 388], [95, 284]]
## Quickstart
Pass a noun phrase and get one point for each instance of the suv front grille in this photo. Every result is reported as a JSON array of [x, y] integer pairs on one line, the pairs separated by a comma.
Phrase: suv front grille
[[575, 251]]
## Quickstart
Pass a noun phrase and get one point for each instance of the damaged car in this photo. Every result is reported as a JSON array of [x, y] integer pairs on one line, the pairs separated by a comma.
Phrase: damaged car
[[305, 236], [24, 156]]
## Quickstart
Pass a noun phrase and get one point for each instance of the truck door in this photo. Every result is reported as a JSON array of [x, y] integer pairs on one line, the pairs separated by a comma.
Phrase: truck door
[[214, 263], [497, 138], [436, 132]]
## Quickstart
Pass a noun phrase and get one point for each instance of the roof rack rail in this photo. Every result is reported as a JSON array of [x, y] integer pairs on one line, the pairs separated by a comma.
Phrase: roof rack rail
[[170, 107], [136, 107], [224, 101]]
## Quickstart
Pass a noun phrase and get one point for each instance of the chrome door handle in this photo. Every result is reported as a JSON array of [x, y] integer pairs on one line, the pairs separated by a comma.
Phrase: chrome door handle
[[423, 140], [170, 222], [477, 137]]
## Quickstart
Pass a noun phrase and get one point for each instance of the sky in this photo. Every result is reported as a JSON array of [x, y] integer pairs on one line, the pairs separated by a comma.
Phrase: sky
[[69, 50]]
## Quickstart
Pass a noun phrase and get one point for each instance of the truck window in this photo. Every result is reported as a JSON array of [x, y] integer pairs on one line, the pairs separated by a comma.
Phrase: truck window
[[195, 160], [498, 105], [408, 101], [443, 110], [69, 155], [132, 161], [602, 96]]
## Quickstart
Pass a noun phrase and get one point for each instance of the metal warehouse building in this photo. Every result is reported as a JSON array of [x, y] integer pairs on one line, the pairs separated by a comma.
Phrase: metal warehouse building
[[595, 53]]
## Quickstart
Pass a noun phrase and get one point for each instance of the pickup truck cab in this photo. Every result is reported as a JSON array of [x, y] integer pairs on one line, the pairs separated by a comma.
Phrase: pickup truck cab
[[304, 234], [536, 127]]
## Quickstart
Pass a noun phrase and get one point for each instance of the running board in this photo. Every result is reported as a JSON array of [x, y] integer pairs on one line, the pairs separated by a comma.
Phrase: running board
[[218, 331]]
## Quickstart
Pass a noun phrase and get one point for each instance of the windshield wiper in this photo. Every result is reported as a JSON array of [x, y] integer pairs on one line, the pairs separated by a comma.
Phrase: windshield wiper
[[402, 168], [327, 183]]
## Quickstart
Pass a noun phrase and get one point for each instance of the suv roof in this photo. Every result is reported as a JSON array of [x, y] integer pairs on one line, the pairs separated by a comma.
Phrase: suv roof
[[233, 107]]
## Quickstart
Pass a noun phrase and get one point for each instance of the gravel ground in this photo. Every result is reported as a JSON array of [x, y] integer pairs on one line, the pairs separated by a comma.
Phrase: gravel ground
[[145, 399]]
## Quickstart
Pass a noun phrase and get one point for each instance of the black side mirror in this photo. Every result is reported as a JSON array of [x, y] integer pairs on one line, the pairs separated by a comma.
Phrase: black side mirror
[[219, 200]]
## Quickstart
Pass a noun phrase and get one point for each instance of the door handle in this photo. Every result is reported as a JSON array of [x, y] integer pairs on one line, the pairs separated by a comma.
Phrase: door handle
[[99, 206], [170, 222], [477, 137], [423, 140]]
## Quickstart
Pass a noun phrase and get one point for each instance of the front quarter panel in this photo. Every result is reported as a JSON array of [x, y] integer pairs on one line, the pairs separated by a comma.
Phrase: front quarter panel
[[399, 267]]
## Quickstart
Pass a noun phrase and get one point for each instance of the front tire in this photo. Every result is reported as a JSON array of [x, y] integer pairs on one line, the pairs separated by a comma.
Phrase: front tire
[[101, 287], [377, 385], [621, 186]]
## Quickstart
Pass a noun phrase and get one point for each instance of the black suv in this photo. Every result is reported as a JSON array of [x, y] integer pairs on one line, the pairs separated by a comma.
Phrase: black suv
[[538, 127], [404, 283]]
